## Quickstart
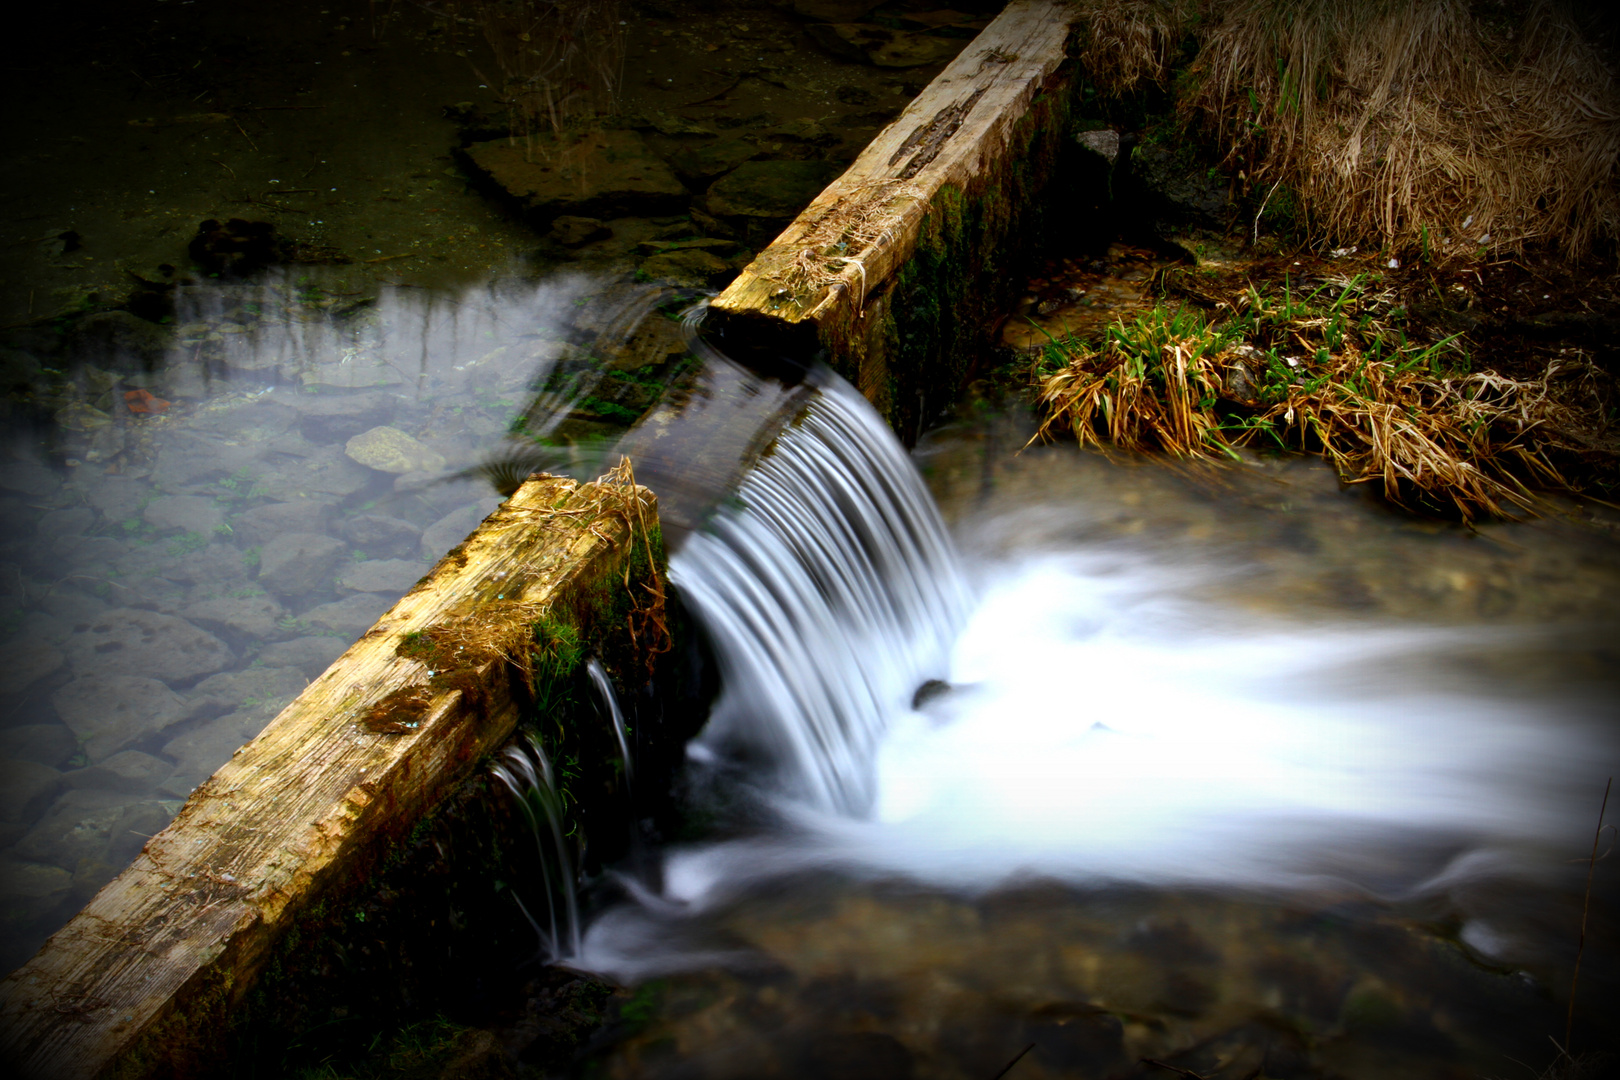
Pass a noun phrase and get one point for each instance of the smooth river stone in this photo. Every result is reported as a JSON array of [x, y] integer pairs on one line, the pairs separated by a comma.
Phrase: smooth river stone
[[183, 513], [393, 576], [294, 564], [390, 450], [26, 664], [26, 789], [109, 712], [128, 641]]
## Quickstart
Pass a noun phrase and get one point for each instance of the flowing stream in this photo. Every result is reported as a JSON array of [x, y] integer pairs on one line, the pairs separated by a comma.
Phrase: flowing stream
[[1130, 765]]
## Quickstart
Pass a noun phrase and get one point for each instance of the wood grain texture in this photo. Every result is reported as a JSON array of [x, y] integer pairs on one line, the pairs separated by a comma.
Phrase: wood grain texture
[[959, 137], [142, 981]]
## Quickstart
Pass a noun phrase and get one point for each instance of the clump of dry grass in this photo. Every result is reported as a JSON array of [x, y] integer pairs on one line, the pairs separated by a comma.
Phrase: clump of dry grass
[[561, 62], [1327, 374], [1126, 44], [1432, 126]]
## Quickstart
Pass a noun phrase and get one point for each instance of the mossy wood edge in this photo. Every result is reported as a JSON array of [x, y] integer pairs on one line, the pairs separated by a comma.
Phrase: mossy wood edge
[[142, 981], [957, 173]]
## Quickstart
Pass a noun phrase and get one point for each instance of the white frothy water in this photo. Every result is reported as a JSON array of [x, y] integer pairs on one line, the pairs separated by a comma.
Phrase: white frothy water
[[1101, 727], [831, 592]]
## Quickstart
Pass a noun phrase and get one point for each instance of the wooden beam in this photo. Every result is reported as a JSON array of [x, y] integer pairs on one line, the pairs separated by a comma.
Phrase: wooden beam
[[891, 261], [141, 983]]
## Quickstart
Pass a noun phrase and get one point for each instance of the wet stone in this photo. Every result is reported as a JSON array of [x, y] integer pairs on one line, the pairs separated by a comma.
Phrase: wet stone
[[252, 617], [600, 174], [198, 752], [453, 528], [107, 713], [187, 458], [708, 160], [128, 771], [120, 339], [351, 616], [31, 890], [694, 268], [127, 641], [263, 523], [58, 525], [26, 789], [80, 825], [334, 418], [117, 498], [27, 662], [261, 690], [770, 189], [391, 450], [183, 513], [295, 564], [392, 576], [28, 478], [47, 744], [310, 655], [572, 231], [378, 534], [326, 472]]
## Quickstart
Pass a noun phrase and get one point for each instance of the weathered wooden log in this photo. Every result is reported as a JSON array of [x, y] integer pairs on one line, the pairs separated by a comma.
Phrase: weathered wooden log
[[896, 267], [142, 982]]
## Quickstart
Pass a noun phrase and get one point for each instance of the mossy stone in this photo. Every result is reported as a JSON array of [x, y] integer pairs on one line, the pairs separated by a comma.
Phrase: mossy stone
[[770, 189]]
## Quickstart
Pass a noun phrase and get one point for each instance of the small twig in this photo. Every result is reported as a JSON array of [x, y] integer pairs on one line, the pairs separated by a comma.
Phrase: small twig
[[245, 135], [1008, 1067], [388, 258], [272, 108], [1175, 1069], [717, 94], [224, 166], [1586, 905]]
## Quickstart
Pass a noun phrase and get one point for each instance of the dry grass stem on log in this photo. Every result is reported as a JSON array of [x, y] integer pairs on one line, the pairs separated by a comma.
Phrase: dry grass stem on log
[[830, 252]]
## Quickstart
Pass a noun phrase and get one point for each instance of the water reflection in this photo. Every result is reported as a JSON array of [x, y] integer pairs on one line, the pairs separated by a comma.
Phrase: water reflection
[[201, 518]]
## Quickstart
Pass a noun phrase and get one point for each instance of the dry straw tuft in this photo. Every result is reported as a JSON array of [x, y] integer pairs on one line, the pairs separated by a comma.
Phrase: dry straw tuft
[[1432, 126], [1323, 374], [831, 253]]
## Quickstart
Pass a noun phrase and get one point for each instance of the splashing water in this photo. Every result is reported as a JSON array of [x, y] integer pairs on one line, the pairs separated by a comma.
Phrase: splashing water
[[1103, 722], [831, 592]]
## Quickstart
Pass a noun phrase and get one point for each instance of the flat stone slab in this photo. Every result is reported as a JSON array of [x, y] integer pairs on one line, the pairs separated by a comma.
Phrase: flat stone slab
[[602, 174], [770, 189], [129, 641]]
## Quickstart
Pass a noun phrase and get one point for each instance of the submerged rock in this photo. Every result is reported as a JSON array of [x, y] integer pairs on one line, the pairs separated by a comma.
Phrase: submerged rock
[[27, 662], [599, 174], [390, 450], [145, 644], [107, 713], [377, 534], [26, 789], [391, 576], [296, 564], [310, 655], [692, 267], [128, 771], [351, 616], [571, 231], [47, 744], [770, 189]]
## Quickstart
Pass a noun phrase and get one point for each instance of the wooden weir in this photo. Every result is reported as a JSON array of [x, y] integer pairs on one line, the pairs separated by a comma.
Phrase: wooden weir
[[892, 271], [142, 982], [895, 269]]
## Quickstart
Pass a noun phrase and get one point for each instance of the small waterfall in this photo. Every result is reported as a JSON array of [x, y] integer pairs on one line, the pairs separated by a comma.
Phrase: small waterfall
[[526, 771], [615, 716], [831, 592]]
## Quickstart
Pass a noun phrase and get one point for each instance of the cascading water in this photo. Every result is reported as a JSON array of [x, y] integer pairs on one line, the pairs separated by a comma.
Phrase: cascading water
[[1104, 722], [832, 592]]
